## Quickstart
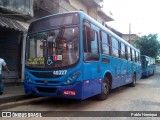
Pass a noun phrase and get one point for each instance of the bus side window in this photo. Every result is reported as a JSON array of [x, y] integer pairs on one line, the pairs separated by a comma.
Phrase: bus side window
[[129, 53], [86, 42], [126, 53], [90, 41], [133, 55], [105, 43], [119, 49], [138, 58], [123, 51], [109, 43], [115, 47]]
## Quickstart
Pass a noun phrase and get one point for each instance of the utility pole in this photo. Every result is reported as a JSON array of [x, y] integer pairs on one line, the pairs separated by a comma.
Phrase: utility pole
[[129, 40]]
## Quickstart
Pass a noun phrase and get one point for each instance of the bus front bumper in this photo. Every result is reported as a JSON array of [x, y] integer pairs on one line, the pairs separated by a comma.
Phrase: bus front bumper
[[73, 91]]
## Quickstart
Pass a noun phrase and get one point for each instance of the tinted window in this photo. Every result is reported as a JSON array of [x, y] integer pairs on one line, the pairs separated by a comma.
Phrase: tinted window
[[123, 53], [115, 47], [105, 43], [129, 53], [90, 41], [54, 48]]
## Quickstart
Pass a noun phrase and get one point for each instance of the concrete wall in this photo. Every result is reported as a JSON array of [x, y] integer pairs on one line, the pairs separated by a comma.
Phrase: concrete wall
[[100, 19], [47, 7], [24, 7], [79, 5], [91, 11], [65, 6]]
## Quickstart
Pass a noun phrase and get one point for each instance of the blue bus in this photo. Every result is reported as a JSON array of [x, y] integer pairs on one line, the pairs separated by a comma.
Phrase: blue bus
[[148, 65], [70, 55]]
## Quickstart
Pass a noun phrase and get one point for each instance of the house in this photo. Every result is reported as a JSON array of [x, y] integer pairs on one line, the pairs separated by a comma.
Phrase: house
[[13, 14], [130, 38], [91, 7]]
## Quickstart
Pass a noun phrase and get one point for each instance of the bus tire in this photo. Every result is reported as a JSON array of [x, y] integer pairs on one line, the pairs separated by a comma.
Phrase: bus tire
[[147, 74], [105, 90], [133, 84], [153, 72]]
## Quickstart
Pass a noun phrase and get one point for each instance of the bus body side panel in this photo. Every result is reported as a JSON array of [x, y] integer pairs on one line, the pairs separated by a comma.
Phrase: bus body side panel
[[147, 71], [126, 72], [114, 65], [138, 71], [144, 72], [120, 71], [92, 80], [106, 67], [148, 65], [129, 71]]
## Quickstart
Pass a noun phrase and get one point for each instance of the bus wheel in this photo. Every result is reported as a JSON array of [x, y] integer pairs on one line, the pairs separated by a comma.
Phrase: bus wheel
[[105, 90], [133, 84], [153, 72]]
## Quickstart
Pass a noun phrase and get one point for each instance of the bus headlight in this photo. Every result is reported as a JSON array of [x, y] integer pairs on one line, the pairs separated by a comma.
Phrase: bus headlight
[[72, 78], [68, 82], [28, 79]]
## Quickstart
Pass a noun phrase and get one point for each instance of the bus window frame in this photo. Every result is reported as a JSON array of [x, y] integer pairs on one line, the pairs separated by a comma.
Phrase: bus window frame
[[123, 56], [117, 49], [108, 43]]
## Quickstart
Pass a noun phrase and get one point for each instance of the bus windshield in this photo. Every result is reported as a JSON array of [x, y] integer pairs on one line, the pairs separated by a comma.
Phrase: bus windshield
[[54, 48]]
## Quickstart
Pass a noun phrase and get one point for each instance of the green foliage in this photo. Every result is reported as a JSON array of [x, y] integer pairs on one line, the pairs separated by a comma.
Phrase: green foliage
[[148, 45]]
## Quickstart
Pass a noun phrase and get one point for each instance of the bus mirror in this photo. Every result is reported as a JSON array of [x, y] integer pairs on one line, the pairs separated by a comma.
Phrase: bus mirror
[[86, 23]]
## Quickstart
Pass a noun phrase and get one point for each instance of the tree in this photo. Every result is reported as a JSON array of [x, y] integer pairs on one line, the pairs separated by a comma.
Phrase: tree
[[148, 45]]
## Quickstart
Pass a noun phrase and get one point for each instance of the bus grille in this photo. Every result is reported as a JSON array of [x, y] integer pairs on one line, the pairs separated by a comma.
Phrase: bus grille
[[46, 90], [48, 82], [45, 75]]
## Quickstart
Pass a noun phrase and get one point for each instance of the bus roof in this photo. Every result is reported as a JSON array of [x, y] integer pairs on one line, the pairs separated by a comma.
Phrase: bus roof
[[54, 15]]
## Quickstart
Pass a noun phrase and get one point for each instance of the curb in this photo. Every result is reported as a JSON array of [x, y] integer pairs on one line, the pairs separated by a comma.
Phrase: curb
[[20, 102], [12, 98]]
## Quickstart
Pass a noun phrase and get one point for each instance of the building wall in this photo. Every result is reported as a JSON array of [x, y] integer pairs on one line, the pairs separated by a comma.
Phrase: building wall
[[10, 47], [24, 7], [100, 20], [43, 8], [91, 11], [79, 5], [66, 6], [133, 38]]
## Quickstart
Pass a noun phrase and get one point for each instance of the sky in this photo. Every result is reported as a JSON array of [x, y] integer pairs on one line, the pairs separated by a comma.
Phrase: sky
[[142, 15]]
